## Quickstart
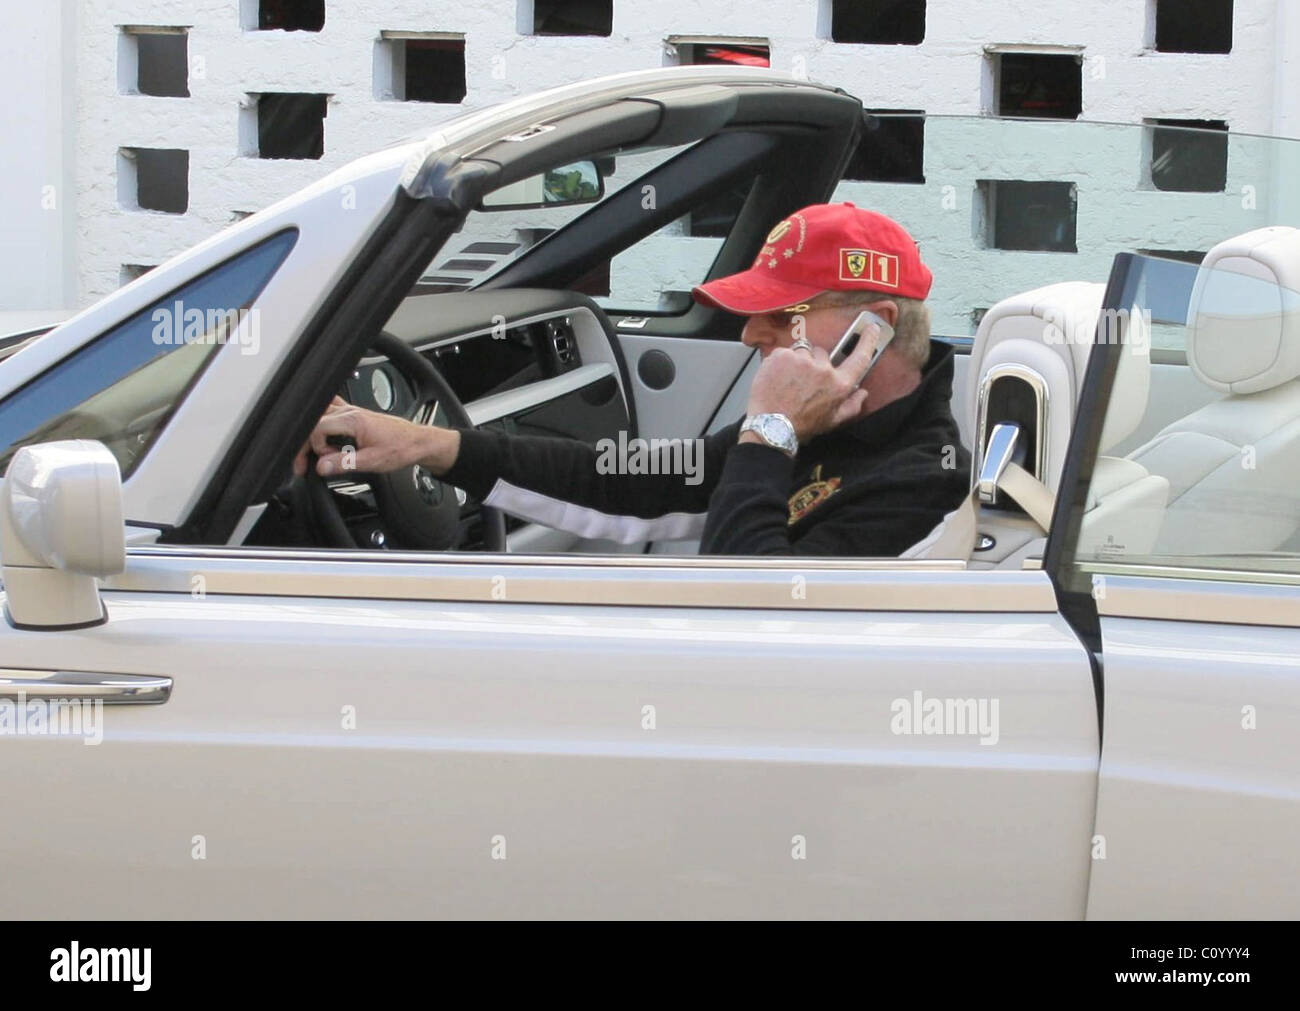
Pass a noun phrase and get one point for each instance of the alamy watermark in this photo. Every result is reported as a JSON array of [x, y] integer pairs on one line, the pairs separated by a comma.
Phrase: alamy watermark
[[75, 964], [43, 717], [1113, 326], [651, 456], [176, 324], [946, 716]]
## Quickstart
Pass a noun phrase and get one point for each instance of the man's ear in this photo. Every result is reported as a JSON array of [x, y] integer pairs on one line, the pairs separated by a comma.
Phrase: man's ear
[[886, 310]]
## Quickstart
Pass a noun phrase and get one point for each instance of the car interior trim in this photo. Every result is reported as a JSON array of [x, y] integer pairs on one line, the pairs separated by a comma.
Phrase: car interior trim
[[502, 405], [588, 523]]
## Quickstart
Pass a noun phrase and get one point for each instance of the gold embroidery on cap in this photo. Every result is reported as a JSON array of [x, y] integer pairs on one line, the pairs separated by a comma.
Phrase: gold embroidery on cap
[[776, 233]]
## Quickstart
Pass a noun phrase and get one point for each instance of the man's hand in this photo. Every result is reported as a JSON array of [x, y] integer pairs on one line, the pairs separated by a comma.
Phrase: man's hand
[[379, 442], [815, 395]]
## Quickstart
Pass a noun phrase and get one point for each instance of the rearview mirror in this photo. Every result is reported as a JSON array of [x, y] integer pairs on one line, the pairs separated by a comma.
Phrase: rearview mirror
[[61, 528], [580, 182]]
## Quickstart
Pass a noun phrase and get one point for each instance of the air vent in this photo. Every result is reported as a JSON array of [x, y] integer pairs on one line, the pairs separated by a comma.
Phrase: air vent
[[560, 334]]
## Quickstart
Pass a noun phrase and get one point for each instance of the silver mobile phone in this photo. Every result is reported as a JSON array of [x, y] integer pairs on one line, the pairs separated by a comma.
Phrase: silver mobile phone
[[853, 334]]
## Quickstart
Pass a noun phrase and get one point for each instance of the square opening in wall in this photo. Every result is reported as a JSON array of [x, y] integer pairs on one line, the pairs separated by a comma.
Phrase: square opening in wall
[[290, 125], [573, 17], [1187, 155], [721, 52], [154, 61], [420, 67], [283, 15], [130, 271], [1039, 85], [1028, 216], [892, 148], [1193, 26], [153, 179], [878, 22]]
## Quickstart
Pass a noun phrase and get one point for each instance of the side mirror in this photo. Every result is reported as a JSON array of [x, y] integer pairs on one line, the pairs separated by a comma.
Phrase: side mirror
[[564, 186], [61, 527]]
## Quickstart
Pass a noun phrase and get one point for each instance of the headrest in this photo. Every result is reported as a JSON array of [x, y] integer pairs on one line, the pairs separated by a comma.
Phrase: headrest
[[1051, 330], [1243, 321]]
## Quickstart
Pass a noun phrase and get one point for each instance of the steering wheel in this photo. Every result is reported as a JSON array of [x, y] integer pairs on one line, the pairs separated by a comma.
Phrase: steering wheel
[[416, 510]]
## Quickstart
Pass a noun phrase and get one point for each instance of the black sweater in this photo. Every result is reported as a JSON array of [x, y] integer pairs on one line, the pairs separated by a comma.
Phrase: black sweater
[[871, 488]]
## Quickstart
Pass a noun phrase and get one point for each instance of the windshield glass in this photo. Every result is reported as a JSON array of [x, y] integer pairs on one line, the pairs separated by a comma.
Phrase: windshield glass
[[1205, 476], [123, 386]]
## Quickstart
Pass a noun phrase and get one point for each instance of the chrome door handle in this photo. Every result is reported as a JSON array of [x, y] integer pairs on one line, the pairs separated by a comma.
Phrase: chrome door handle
[[111, 689]]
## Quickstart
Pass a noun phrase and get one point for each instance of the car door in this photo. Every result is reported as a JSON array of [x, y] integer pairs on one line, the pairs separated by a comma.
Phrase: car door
[[1198, 813], [369, 734]]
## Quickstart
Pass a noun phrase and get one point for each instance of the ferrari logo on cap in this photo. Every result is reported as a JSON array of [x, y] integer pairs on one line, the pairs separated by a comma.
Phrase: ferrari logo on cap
[[880, 269]]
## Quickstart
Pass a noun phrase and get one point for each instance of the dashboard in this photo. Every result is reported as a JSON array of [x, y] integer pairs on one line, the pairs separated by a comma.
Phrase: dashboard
[[522, 362]]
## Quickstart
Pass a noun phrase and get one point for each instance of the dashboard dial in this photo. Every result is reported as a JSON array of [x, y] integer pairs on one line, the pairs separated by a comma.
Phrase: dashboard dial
[[381, 388]]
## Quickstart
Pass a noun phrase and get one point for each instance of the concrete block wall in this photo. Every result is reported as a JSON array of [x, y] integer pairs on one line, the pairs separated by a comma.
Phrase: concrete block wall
[[1255, 88]]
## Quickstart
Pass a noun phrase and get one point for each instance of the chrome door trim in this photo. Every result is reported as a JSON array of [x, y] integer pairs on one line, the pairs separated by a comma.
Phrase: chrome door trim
[[884, 584], [1214, 601], [111, 689]]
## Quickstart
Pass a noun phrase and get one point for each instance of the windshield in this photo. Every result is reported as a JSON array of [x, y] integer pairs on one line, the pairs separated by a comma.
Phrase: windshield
[[123, 386], [998, 206]]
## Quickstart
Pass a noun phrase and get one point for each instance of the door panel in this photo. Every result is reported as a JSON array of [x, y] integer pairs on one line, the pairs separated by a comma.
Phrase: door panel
[[702, 372], [523, 727], [1199, 798]]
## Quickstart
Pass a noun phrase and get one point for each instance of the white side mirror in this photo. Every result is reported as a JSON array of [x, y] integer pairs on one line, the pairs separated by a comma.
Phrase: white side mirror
[[61, 527]]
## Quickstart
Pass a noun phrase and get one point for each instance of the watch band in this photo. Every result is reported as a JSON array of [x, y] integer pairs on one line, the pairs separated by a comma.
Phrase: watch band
[[776, 430]]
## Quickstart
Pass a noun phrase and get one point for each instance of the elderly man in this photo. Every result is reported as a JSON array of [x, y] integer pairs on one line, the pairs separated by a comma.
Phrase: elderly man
[[823, 463]]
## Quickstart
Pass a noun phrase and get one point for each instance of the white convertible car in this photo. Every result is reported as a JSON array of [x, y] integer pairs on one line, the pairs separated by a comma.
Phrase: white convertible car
[[1079, 697]]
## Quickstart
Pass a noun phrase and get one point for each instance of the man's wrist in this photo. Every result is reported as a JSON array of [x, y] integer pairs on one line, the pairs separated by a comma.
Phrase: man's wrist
[[775, 430], [438, 449]]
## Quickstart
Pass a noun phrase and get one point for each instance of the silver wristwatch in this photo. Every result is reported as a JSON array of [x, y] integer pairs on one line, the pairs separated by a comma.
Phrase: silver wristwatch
[[774, 429]]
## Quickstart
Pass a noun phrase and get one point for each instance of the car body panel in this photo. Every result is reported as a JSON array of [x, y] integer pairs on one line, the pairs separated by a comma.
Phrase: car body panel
[[501, 727], [1199, 797]]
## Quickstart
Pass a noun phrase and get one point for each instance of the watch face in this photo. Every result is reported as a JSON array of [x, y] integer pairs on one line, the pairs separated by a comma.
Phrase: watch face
[[779, 429], [776, 431]]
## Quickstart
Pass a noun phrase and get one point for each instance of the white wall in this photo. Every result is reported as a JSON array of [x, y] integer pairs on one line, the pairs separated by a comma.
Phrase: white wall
[[37, 136], [1255, 88]]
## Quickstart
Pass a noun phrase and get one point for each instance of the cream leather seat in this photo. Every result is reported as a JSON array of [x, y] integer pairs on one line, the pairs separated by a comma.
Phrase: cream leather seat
[[1027, 371], [1234, 465]]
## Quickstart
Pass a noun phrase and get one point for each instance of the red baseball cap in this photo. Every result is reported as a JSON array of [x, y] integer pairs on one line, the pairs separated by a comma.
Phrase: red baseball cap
[[824, 247]]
